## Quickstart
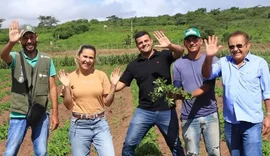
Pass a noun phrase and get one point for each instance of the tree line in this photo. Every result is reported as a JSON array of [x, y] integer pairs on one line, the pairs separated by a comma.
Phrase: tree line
[[255, 20]]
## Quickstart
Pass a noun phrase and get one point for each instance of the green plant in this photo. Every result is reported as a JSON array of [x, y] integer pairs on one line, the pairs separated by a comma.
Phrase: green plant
[[265, 148], [221, 126], [162, 89], [3, 131], [59, 142], [219, 91]]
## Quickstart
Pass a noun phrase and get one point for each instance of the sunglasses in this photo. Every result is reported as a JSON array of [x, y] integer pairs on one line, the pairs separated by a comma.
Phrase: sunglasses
[[238, 46]]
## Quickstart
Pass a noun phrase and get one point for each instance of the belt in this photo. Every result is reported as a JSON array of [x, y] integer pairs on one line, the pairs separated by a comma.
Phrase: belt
[[88, 116]]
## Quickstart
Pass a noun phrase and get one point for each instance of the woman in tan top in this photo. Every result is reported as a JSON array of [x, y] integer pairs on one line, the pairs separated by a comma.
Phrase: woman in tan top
[[86, 92]]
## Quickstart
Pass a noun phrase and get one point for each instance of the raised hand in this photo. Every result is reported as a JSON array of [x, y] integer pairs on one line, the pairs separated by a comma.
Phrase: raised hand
[[212, 45], [115, 76], [63, 77], [164, 42], [14, 33]]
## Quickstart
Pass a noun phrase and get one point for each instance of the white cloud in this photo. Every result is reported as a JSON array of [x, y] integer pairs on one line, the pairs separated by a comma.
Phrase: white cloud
[[27, 11]]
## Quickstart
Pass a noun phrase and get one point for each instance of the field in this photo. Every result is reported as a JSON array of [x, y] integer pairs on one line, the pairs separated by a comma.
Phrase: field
[[118, 115]]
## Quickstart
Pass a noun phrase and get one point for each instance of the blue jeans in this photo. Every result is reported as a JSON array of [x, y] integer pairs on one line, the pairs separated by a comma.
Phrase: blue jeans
[[16, 133], [208, 126], [143, 120], [244, 139], [84, 132]]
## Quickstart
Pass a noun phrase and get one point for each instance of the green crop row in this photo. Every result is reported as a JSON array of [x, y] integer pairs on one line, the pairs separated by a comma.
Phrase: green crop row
[[3, 131], [101, 60], [59, 144]]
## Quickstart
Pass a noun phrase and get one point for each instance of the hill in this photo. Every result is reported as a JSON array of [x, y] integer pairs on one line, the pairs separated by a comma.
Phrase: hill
[[117, 33]]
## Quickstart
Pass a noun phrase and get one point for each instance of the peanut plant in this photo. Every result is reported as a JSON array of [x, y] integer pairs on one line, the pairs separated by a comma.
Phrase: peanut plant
[[169, 91]]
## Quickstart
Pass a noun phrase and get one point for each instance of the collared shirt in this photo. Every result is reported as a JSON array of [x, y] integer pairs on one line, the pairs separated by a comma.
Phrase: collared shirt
[[145, 71], [244, 87]]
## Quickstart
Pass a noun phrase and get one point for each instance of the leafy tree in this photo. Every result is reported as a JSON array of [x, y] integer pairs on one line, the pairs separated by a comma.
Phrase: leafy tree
[[234, 8], [127, 40], [82, 21], [47, 21], [225, 36], [1, 21], [112, 18], [209, 32], [215, 11], [4, 38], [63, 32], [80, 28], [181, 21], [94, 21], [268, 15], [200, 11]]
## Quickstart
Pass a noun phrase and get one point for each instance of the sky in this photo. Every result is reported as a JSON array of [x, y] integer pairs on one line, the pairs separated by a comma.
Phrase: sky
[[27, 11]]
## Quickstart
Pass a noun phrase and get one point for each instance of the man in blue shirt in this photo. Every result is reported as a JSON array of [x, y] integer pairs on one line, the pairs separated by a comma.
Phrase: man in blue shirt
[[246, 81], [199, 114]]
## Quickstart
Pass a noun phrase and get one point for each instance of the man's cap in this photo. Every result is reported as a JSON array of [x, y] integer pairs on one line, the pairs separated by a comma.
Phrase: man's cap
[[192, 32], [27, 28]]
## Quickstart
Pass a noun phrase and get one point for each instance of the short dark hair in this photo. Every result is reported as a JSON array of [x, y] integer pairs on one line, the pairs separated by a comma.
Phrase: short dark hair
[[140, 34], [239, 33]]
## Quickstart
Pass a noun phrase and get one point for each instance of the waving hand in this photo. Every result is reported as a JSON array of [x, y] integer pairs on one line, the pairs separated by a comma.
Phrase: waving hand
[[163, 40]]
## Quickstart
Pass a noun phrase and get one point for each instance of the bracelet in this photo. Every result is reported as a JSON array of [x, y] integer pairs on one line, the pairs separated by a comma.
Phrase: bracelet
[[267, 113]]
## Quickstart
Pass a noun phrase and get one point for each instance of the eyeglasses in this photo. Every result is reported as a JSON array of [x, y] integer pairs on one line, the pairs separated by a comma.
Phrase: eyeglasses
[[238, 46]]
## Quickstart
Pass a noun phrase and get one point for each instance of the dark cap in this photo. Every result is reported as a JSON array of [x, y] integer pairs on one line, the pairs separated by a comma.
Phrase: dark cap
[[27, 28]]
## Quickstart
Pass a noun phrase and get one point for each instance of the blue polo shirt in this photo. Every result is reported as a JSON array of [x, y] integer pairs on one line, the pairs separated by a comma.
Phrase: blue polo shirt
[[32, 62], [244, 87]]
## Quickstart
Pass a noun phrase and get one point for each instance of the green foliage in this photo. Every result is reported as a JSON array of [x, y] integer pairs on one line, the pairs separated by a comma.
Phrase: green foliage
[[219, 91], [148, 146], [59, 144], [3, 65], [266, 148], [3, 131], [100, 60], [4, 106], [169, 91], [70, 35], [63, 32], [221, 126], [1, 21], [4, 38], [94, 21], [225, 36], [115, 59], [47, 21]]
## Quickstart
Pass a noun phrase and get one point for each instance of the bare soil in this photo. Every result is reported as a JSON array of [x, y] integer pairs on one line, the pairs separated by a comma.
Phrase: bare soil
[[119, 116]]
